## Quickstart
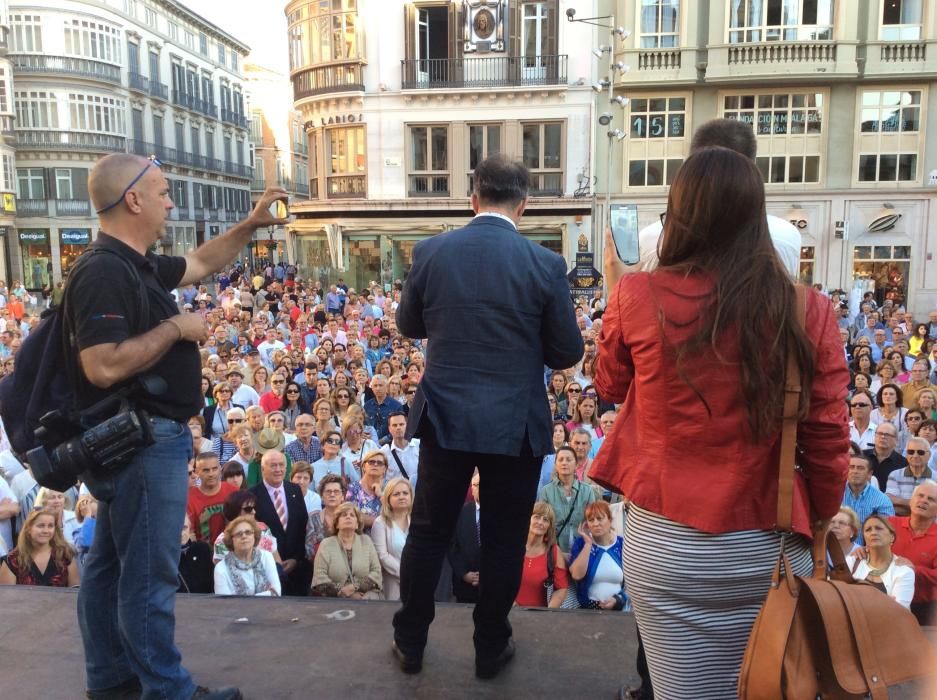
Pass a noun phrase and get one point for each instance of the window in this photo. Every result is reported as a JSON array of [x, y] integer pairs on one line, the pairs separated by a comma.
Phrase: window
[[173, 30], [234, 61], [159, 136], [203, 44], [30, 183], [808, 256], [180, 194], [780, 20], [149, 16], [222, 58], [63, 183], [209, 144], [96, 113], [787, 125], [92, 40], [188, 38], [154, 67], [890, 135], [27, 33], [130, 7], [8, 180], [901, 20], [657, 139], [331, 28], [483, 140], [660, 26], [36, 109], [543, 156], [890, 111], [345, 162], [195, 134], [429, 161], [4, 91]]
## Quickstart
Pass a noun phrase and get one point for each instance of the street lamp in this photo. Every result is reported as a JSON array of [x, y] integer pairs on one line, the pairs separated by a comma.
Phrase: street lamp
[[606, 118]]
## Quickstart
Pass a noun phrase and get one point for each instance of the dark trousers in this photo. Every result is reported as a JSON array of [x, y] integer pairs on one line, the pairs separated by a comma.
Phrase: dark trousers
[[507, 490]]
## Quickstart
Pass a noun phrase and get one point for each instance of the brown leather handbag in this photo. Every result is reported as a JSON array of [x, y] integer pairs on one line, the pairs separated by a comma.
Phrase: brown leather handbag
[[825, 635]]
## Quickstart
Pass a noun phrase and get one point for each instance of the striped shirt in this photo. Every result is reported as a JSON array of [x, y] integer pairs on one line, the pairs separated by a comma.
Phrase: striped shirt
[[902, 482], [870, 501]]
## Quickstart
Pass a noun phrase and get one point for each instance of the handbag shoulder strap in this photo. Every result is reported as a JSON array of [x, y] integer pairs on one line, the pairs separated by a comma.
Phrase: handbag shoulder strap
[[792, 389]]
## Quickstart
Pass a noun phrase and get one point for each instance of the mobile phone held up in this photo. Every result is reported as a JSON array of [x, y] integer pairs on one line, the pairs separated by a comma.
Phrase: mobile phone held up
[[624, 225], [279, 210]]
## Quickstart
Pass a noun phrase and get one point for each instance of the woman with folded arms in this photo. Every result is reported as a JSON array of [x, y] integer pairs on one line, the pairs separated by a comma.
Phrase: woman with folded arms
[[346, 565]]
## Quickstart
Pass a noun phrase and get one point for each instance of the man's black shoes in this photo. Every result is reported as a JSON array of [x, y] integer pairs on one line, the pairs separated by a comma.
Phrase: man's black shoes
[[217, 694], [408, 664], [128, 690], [489, 668]]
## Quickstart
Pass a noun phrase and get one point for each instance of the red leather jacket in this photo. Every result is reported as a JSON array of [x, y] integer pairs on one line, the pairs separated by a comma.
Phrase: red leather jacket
[[669, 456]]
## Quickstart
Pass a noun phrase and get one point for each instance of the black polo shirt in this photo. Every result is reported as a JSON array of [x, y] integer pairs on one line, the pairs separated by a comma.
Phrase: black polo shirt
[[103, 306], [882, 468]]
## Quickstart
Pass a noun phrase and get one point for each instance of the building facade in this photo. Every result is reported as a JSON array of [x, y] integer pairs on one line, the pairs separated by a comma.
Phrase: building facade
[[280, 151], [842, 96], [401, 100], [93, 77]]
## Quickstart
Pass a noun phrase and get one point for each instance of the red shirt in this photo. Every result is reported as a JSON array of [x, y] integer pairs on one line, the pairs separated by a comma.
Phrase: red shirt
[[270, 402], [921, 550], [670, 455], [205, 512], [532, 593]]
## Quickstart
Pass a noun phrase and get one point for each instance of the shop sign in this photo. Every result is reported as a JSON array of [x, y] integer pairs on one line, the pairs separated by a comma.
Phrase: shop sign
[[9, 202], [335, 119], [584, 279], [76, 236], [34, 236]]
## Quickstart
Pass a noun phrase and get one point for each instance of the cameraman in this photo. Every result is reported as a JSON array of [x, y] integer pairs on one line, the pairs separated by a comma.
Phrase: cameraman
[[126, 606]]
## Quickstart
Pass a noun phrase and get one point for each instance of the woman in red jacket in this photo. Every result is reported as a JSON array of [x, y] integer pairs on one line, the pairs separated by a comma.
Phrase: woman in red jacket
[[706, 337]]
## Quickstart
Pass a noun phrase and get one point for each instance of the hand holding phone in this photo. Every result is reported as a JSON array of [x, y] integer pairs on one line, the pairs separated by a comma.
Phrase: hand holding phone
[[623, 219]]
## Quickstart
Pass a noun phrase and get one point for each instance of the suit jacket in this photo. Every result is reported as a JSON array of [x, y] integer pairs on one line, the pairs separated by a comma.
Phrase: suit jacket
[[465, 554], [291, 542], [496, 308]]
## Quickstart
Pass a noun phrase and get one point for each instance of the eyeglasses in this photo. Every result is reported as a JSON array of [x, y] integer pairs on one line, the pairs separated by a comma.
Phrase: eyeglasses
[[888, 435], [378, 462], [243, 533], [236, 420], [292, 391], [278, 381], [574, 390], [917, 452], [224, 391], [247, 509], [332, 441], [860, 405], [152, 161], [332, 492]]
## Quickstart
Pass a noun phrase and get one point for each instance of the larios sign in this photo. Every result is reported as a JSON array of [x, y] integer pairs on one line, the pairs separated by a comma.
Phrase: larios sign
[[331, 121]]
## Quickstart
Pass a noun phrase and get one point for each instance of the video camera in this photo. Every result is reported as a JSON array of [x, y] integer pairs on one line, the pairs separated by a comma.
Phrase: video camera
[[92, 443]]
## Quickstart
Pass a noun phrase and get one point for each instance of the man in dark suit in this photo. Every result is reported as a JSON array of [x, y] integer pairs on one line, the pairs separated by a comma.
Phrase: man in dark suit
[[495, 308], [465, 552], [280, 506]]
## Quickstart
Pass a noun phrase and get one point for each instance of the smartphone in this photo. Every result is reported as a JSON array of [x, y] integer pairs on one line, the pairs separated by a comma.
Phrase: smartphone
[[624, 225], [279, 209]]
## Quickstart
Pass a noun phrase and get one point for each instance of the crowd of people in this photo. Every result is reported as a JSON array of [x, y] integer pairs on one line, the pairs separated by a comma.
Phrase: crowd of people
[[302, 478]]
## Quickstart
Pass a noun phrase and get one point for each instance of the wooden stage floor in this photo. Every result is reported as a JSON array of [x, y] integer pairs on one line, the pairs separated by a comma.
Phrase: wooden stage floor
[[321, 649]]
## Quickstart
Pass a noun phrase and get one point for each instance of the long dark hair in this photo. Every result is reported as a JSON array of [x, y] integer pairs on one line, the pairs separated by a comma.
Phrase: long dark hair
[[716, 225]]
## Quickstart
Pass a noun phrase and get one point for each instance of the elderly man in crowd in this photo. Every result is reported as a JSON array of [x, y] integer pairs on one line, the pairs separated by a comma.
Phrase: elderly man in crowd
[[861, 427], [883, 457], [241, 394], [379, 408], [919, 382], [306, 447], [917, 542], [281, 507], [903, 482]]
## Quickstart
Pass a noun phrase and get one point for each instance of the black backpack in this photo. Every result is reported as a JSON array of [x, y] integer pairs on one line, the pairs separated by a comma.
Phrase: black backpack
[[46, 371]]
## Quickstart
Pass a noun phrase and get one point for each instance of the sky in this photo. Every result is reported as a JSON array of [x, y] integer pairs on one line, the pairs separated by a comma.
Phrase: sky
[[263, 30]]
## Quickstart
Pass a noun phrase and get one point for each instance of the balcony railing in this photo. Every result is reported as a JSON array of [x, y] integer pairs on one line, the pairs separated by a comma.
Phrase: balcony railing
[[904, 52], [238, 170], [199, 213], [325, 79], [659, 59], [347, 186], [72, 207], [775, 53], [231, 117], [483, 72], [159, 90], [66, 65], [176, 156], [32, 207], [546, 184], [69, 140], [195, 104], [301, 188], [138, 82], [258, 185]]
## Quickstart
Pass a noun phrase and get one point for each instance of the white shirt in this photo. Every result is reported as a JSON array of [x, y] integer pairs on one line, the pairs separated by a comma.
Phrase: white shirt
[[313, 500], [409, 457], [267, 349], [867, 439], [10, 466], [246, 396], [497, 214], [898, 580], [785, 237], [6, 526]]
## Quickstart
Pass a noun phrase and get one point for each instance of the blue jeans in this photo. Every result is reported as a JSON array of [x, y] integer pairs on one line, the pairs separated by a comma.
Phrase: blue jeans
[[126, 605]]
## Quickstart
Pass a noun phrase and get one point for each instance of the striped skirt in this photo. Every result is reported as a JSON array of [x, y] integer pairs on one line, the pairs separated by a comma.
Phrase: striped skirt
[[696, 596]]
